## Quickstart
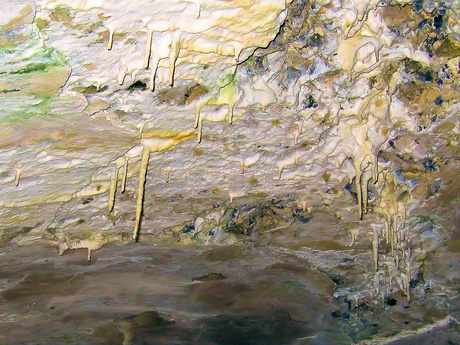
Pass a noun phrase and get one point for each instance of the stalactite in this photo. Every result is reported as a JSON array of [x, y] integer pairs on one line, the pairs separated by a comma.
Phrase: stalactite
[[295, 134], [300, 125], [365, 178], [291, 159], [197, 7], [237, 193], [405, 280], [359, 192], [153, 73], [200, 129], [125, 174], [242, 167], [361, 184], [216, 116], [167, 174], [140, 191], [92, 244], [173, 55], [197, 115], [141, 129], [113, 189], [122, 72], [153, 144], [354, 233], [18, 172], [112, 29], [375, 244], [392, 207], [228, 94], [247, 161], [165, 47], [303, 204], [148, 47], [230, 112]]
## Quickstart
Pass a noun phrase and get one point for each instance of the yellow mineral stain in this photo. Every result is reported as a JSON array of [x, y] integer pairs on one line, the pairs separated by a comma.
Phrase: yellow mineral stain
[[253, 181], [198, 152], [449, 48], [61, 15], [379, 102], [162, 139]]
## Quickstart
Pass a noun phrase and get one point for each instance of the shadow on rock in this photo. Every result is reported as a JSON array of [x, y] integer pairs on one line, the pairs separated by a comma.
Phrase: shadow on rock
[[252, 329]]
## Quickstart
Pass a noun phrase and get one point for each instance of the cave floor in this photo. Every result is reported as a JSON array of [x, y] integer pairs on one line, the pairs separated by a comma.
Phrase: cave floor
[[251, 293]]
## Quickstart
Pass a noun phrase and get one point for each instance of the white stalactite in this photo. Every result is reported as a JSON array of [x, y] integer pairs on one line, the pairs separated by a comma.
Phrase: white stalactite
[[125, 174], [113, 189]]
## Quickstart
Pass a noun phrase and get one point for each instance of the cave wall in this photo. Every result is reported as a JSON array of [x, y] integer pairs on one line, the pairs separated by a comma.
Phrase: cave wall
[[147, 115]]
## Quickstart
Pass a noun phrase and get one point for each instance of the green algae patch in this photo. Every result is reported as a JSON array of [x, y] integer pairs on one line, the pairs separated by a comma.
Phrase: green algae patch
[[30, 76], [32, 68], [20, 107], [29, 57], [255, 64]]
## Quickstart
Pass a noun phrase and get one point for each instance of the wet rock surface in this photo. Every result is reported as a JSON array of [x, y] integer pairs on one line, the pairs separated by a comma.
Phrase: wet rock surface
[[245, 293], [147, 294]]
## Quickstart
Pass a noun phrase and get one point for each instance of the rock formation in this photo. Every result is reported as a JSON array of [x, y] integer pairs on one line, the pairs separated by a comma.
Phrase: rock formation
[[215, 122]]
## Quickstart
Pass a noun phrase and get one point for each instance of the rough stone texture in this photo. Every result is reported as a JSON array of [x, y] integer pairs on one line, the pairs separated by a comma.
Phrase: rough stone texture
[[336, 185]]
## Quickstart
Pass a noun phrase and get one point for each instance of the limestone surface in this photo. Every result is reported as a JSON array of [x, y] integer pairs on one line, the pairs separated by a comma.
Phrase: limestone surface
[[294, 148]]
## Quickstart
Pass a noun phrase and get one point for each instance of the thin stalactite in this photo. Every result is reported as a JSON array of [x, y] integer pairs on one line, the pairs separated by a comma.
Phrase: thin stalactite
[[140, 191]]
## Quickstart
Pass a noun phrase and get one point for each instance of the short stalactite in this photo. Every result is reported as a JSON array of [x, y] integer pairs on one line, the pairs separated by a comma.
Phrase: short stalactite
[[91, 244], [112, 29], [216, 116], [18, 172], [167, 174], [248, 161], [292, 159], [354, 233]]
